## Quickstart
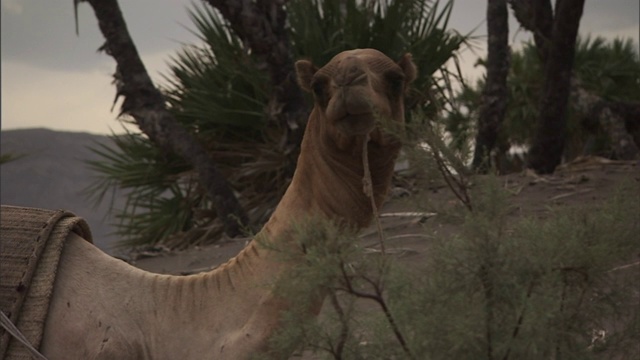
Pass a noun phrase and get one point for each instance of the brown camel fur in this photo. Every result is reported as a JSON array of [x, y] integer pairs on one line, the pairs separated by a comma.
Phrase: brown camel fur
[[103, 308]]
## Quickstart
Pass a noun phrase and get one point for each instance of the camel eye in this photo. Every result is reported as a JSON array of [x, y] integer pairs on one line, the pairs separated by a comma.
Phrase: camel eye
[[395, 82], [319, 88]]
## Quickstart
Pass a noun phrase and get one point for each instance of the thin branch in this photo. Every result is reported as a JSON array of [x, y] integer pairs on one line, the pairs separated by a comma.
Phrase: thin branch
[[516, 329], [367, 187], [456, 185], [344, 329], [379, 299], [487, 286]]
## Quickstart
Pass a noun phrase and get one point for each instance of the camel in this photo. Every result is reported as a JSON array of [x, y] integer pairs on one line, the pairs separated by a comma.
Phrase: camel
[[104, 308]]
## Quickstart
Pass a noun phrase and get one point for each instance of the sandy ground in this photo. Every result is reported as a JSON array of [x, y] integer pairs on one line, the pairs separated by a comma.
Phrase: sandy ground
[[410, 220]]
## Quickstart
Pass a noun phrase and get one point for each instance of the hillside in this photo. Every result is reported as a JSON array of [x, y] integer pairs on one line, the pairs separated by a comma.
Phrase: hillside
[[52, 174]]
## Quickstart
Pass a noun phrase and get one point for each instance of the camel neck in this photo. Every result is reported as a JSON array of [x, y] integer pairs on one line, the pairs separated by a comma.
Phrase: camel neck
[[236, 300], [331, 171], [233, 304]]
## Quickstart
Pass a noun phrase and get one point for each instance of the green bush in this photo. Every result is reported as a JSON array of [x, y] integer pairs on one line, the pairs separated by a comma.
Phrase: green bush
[[503, 288]]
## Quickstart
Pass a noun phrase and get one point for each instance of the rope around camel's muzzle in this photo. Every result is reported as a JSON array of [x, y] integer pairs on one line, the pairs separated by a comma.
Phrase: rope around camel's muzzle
[[367, 188]]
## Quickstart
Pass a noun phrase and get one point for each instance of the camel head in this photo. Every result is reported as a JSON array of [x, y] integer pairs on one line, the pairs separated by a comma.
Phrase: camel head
[[358, 97], [357, 89]]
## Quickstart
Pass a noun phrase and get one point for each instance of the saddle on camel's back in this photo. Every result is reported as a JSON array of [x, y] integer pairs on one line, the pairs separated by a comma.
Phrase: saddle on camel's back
[[31, 242]]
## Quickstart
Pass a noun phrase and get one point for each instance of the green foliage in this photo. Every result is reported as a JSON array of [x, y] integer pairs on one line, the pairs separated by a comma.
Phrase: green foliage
[[322, 29], [518, 289], [504, 288], [217, 89], [5, 158], [609, 69], [220, 91], [156, 183], [333, 267]]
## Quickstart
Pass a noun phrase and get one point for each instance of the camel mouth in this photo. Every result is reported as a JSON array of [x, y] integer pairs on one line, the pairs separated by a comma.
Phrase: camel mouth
[[356, 124]]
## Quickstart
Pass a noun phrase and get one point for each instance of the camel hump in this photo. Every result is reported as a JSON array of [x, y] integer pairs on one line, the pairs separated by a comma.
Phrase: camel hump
[[31, 241]]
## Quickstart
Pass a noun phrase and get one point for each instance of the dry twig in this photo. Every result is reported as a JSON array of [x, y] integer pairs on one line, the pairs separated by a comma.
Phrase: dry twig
[[367, 187]]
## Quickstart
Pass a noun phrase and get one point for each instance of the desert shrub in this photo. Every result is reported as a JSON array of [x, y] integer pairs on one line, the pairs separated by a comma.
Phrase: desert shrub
[[505, 287]]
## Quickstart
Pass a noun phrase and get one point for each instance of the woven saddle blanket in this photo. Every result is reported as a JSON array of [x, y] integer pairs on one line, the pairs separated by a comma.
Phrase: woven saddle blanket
[[31, 242]]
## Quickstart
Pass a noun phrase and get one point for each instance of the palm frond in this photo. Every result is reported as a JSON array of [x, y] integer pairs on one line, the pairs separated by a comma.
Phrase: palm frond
[[609, 69], [219, 90]]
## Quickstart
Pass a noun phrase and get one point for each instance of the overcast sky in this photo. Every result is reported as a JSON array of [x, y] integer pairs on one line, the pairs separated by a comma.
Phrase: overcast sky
[[52, 78]]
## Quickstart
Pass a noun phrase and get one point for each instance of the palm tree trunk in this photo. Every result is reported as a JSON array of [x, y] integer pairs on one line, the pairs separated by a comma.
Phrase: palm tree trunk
[[548, 144], [262, 25], [494, 96], [144, 102], [536, 16]]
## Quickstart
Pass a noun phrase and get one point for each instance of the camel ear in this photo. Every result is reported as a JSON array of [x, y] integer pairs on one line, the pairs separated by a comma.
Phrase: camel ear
[[305, 71], [408, 68]]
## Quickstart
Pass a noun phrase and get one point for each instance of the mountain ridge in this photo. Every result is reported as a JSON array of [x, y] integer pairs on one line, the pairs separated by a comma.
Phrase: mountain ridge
[[50, 172]]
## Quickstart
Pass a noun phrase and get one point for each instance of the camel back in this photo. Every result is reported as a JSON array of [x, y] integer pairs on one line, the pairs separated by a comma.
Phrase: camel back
[[31, 241]]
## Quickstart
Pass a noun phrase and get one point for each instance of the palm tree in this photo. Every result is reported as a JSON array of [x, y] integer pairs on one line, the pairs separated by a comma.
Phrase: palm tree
[[550, 136], [220, 92], [608, 69], [494, 94]]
